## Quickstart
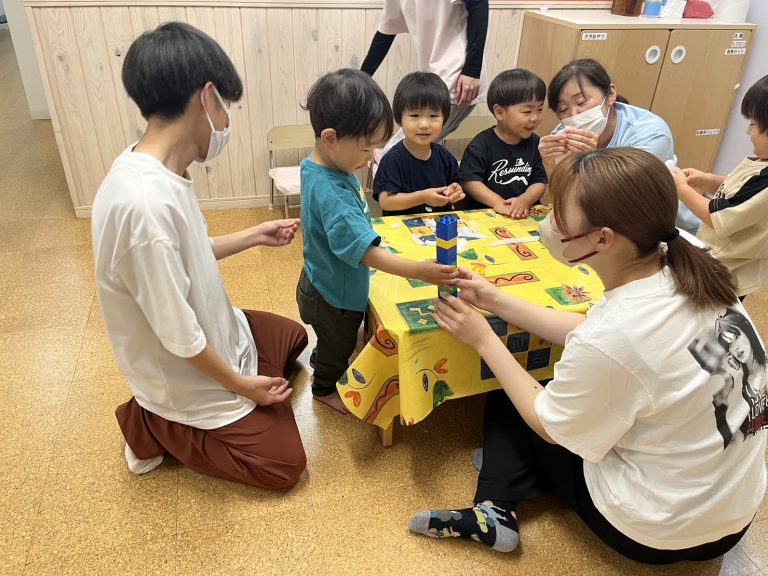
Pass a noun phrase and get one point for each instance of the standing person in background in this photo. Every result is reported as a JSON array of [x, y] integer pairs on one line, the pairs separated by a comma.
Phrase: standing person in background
[[449, 38]]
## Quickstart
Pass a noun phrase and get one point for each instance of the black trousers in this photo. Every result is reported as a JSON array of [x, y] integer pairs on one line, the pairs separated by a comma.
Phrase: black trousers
[[519, 465], [336, 331]]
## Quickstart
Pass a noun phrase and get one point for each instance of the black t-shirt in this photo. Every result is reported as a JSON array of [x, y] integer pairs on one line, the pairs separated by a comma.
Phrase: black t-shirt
[[400, 171], [506, 169]]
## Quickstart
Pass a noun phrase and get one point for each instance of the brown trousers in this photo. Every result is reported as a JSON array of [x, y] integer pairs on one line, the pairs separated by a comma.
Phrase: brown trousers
[[261, 449]]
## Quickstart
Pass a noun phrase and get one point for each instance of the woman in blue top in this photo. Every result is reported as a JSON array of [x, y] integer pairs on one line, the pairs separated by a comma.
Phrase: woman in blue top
[[592, 116]]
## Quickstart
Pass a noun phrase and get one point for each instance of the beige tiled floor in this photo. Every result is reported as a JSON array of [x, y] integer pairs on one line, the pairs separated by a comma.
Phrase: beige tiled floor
[[69, 506]]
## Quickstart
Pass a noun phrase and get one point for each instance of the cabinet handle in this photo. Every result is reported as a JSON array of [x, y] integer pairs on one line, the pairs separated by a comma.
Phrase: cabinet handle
[[678, 54], [653, 54]]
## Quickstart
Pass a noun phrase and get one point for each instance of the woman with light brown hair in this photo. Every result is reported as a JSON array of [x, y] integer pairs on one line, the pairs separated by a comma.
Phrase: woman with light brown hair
[[626, 430]]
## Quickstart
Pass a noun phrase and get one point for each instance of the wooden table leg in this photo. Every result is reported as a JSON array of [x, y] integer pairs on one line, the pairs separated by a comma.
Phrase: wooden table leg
[[386, 435]]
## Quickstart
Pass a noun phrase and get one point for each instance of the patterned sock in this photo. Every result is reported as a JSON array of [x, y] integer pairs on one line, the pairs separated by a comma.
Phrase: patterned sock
[[493, 524]]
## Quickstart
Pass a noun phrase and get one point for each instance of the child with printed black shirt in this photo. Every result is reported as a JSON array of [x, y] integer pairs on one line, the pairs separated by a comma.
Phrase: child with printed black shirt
[[418, 175], [502, 167]]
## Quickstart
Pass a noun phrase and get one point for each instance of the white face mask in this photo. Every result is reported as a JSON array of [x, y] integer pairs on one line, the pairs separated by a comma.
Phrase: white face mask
[[556, 243], [592, 119], [219, 138]]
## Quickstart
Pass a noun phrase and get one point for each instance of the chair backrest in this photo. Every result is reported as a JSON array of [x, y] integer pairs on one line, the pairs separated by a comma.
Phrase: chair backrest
[[471, 127], [290, 137]]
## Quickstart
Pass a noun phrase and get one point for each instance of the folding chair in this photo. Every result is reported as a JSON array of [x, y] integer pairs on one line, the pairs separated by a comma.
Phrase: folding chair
[[286, 179]]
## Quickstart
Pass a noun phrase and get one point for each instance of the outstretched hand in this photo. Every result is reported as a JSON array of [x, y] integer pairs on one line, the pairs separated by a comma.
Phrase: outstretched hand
[[275, 232]]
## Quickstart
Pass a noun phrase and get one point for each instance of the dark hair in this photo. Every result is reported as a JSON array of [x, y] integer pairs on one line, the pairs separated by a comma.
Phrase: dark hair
[[165, 67], [632, 192], [586, 69], [419, 90], [514, 87], [754, 105], [350, 102], [734, 321]]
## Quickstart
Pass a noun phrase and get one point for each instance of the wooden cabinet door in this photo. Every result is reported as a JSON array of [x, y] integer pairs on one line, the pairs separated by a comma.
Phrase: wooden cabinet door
[[696, 88], [633, 59], [545, 47]]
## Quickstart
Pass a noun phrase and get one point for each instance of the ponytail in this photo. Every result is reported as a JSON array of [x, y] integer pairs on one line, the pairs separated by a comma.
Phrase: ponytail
[[631, 192], [699, 276]]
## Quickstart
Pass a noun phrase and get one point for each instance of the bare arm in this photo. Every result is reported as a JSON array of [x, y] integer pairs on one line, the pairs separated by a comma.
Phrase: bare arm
[[431, 272], [270, 233], [695, 202], [552, 325], [261, 389]]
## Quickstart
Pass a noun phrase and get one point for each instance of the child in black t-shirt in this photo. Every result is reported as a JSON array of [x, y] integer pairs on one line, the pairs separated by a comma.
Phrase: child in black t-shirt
[[417, 175], [501, 167]]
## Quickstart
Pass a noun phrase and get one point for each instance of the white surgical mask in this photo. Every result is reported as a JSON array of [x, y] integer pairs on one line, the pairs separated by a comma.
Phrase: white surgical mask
[[219, 138], [556, 243], [592, 119]]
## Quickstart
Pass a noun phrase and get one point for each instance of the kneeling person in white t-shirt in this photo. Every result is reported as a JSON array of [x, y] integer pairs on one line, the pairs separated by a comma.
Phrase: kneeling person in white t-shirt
[[208, 380], [653, 428]]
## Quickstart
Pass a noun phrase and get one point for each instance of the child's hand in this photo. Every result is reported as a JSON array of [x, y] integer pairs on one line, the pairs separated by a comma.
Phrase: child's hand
[[476, 290], [501, 207], [454, 193], [462, 321], [680, 179], [435, 197], [580, 140], [518, 208], [695, 178], [439, 274]]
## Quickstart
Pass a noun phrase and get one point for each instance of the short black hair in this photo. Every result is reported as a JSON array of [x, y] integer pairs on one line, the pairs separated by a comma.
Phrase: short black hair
[[754, 105], [515, 87], [166, 66], [350, 102], [419, 90], [584, 69]]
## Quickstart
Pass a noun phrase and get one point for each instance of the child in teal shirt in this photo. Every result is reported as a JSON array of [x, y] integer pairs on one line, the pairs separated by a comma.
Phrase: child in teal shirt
[[350, 116]]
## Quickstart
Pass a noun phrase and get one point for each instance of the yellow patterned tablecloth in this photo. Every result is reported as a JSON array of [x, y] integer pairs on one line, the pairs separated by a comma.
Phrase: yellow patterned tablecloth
[[410, 366]]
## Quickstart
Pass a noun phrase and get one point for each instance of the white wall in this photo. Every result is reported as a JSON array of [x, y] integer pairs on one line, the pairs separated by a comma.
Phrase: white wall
[[735, 144], [25, 55]]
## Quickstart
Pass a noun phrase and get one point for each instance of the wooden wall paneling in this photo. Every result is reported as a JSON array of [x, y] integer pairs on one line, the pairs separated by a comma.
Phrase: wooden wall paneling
[[118, 32], [97, 72], [59, 45], [354, 46], [305, 57], [144, 18], [282, 75], [507, 40], [35, 27], [229, 34], [328, 40], [490, 54], [218, 170], [259, 95], [171, 14]]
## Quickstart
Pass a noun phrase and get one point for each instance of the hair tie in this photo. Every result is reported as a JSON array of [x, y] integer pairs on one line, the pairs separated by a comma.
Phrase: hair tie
[[664, 244]]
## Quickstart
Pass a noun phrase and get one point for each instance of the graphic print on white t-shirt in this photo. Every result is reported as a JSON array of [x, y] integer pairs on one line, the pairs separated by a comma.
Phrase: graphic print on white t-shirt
[[732, 351], [502, 173]]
